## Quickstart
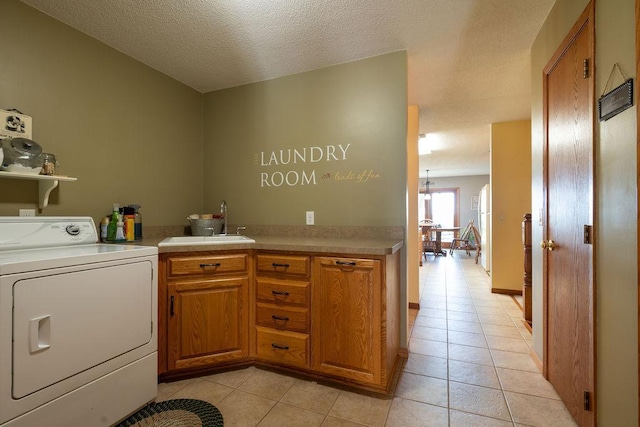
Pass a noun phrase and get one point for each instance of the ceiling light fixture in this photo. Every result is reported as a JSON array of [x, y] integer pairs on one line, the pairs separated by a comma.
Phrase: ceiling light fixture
[[427, 183], [423, 145]]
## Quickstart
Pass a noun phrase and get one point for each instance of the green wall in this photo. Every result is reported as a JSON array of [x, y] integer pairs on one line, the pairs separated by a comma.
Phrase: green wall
[[133, 135], [347, 124], [127, 132], [616, 206]]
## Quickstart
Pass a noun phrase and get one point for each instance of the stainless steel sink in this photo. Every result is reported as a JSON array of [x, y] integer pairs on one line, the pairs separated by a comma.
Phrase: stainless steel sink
[[217, 239]]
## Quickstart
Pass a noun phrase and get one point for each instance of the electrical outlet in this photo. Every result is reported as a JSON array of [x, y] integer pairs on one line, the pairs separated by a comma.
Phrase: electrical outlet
[[310, 217], [27, 212]]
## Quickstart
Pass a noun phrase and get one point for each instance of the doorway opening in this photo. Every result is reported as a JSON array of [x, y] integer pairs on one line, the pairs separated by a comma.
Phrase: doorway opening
[[442, 206]]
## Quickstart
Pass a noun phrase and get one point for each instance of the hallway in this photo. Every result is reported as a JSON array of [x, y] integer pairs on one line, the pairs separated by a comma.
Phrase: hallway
[[470, 352], [469, 365]]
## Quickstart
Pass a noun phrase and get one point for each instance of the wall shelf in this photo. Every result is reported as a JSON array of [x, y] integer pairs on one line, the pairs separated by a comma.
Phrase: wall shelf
[[46, 184]]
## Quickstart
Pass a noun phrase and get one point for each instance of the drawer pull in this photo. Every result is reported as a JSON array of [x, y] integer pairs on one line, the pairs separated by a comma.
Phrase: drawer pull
[[274, 317], [171, 310], [276, 265], [279, 347], [349, 263], [216, 265], [285, 293]]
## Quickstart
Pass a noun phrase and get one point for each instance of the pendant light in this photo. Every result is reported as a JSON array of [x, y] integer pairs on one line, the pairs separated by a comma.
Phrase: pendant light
[[427, 183]]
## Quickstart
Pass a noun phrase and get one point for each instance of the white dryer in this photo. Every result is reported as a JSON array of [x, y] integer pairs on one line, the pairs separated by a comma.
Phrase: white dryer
[[78, 321]]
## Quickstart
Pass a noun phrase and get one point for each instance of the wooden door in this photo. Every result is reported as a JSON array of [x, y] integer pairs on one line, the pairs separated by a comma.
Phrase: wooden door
[[207, 322], [569, 352], [347, 318]]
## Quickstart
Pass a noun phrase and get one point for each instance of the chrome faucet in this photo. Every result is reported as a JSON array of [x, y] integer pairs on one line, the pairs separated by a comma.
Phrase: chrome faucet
[[224, 212]]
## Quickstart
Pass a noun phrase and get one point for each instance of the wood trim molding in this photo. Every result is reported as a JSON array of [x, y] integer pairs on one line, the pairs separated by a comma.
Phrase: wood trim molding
[[414, 305], [536, 360], [638, 180], [506, 291]]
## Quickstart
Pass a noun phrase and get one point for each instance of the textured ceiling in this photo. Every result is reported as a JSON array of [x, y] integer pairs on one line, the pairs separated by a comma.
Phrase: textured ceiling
[[468, 59]]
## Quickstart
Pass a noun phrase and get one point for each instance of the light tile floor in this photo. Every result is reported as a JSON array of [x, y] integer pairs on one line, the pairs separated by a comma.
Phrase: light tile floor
[[469, 365]]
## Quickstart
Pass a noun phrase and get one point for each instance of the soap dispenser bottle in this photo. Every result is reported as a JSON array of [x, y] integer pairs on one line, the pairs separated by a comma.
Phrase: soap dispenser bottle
[[112, 228]]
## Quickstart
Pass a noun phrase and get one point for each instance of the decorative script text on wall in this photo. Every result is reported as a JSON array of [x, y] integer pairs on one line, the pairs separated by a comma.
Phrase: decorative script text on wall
[[295, 156]]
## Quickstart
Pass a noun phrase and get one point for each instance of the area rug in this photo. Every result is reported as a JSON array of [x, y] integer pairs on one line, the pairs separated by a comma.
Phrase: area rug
[[176, 413]]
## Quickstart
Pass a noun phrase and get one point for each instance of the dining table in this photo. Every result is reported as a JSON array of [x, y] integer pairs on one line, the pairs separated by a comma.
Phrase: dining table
[[431, 230]]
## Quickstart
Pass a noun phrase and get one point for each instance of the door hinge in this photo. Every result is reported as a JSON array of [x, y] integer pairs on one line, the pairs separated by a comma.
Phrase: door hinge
[[585, 68], [588, 234], [587, 401]]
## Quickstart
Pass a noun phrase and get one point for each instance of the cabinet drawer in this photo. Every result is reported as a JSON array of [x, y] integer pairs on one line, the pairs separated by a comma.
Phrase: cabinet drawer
[[282, 317], [282, 291], [284, 347], [286, 265], [206, 264]]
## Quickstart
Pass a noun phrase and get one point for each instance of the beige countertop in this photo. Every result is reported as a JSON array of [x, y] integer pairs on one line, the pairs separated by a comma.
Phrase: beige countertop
[[364, 246]]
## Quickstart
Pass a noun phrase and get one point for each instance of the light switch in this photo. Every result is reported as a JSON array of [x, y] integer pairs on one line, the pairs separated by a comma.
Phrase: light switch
[[310, 218]]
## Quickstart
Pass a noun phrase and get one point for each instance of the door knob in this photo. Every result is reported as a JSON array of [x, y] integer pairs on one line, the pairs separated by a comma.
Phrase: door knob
[[548, 245]]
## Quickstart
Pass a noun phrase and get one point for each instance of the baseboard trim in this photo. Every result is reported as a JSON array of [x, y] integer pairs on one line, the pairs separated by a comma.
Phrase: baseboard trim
[[536, 360], [414, 305], [516, 302], [506, 291], [403, 352]]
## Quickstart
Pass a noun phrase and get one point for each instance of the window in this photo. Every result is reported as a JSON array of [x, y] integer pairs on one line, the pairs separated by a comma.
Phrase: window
[[442, 208]]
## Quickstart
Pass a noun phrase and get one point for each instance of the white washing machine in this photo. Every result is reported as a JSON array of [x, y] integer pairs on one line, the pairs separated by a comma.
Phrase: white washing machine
[[78, 321]]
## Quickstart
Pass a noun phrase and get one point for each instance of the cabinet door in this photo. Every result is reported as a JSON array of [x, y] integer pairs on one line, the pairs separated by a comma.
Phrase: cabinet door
[[347, 318], [208, 322]]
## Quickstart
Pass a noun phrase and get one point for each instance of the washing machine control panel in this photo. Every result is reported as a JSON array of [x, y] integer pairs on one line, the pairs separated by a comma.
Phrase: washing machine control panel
[[42, 232], [73, 229]]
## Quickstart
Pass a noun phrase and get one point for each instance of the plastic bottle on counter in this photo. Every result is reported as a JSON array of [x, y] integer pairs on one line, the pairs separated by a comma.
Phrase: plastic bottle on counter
[[112, 228], [104, 225], [129, 223], [120, 232], [137, 220]]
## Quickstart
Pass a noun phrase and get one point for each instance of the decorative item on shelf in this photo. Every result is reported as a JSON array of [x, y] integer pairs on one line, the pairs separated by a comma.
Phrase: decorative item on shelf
[[427, 183], [21, 155], [14, 124], [49, 164]]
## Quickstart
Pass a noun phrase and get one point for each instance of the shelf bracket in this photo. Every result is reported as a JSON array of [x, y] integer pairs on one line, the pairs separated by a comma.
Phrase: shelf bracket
[[44, 190]]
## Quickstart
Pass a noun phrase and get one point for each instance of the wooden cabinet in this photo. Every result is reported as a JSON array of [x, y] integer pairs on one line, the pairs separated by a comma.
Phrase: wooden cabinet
[[282, 309], [327, 316], [356, 329], [206, 306]]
